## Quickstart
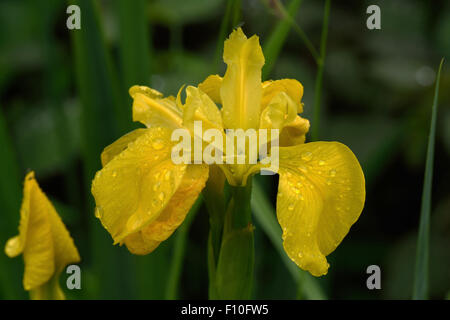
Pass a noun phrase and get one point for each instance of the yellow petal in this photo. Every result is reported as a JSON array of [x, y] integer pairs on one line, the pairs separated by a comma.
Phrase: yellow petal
[[134, 187], [152, 110], [241, 86], [211, 86], [294, 132], [280, 112], [200, 107], [120, 145], [43, 239], [321, 194], [148, 238], [291, 87]]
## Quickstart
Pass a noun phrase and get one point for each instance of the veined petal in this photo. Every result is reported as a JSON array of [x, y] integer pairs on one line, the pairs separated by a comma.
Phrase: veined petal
[[43, 239], [152, 110], [291, 87], [241, 86], [148, 238], [211, 86], [321, 193], [294, 132], [134, 187], [280, 112], [120, 145], [200, 107]]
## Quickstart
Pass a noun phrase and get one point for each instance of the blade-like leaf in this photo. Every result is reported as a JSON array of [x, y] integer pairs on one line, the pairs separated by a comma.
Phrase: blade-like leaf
[[420, 290], [104, 118]]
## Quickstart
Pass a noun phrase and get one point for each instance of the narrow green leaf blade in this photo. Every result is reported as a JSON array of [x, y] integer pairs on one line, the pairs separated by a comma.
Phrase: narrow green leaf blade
[[420, 290], [277, 38], [104, 118]]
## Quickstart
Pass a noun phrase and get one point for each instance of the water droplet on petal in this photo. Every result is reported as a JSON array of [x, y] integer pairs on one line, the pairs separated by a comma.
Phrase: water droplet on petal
[[306, 156], [300, 255], [161, 196], [168, 175], [321, 163], [158, 144], [98, 212], [332, 173], [291, 207], [156, 186], [114, 174]]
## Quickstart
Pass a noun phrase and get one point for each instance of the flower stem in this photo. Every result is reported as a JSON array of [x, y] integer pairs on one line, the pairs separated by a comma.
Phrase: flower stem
[[231, 277]]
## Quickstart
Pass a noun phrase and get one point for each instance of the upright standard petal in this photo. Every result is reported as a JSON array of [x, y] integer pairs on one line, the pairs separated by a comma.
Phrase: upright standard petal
[[291, 87], [211, 86], [135, 186], [200, 107], [149, 237], [241, 88], [321, 194], [43, 240]]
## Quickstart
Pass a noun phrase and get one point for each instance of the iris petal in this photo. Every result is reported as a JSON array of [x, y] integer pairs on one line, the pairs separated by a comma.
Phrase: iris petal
[[148, 238], [321, 194], [152, 110], [241, 86], [134, 187], [43, 239]]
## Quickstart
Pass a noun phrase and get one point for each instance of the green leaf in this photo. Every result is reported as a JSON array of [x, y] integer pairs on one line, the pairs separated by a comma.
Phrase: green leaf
[[235, 267], [104, 118], [134, 42], [10, 194], [274, 44], [420, 290], [264, 214]]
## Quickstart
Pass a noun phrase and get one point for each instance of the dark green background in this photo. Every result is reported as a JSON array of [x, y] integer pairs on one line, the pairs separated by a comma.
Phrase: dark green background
[[64, 97]]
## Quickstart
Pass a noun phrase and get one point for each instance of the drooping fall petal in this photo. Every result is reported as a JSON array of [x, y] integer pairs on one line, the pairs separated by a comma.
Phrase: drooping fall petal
[[43, 240], [152, 110], [120, 145], [321, 194], [135, 186], [149, 237], [241, 86]]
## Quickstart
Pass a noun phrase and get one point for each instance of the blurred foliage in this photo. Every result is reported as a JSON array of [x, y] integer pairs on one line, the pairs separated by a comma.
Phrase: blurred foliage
[[64, 98]]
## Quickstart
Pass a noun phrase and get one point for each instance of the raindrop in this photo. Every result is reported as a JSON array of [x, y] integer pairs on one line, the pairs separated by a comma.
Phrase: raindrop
[[158, 144], [332, 173], [161, 196], [321, 163], [306, 156], [291, 207]]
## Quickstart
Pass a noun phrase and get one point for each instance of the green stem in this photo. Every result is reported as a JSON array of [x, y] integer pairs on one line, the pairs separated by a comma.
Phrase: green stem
[[232, 277], [319, 77]]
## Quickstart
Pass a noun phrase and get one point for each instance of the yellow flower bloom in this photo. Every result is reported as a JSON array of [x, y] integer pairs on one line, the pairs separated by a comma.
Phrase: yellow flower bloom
[[142, 196], [44, 241]]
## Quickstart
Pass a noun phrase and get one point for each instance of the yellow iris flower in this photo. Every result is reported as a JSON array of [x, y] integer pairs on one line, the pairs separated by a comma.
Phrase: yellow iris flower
[[44, 241], [142, 196]]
